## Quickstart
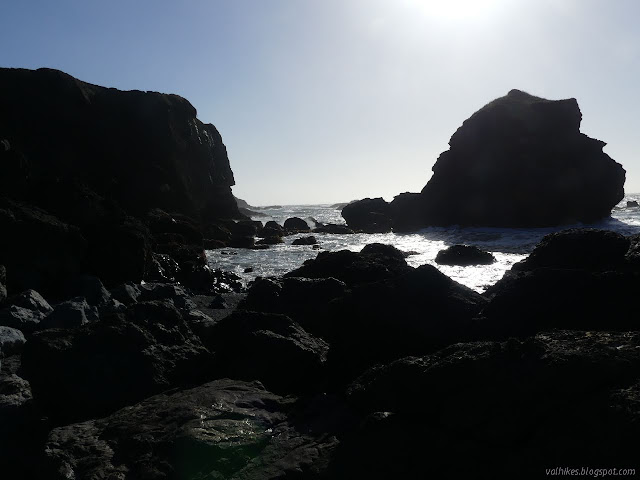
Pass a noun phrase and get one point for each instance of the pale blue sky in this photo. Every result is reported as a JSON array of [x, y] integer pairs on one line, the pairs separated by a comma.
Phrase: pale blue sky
[[332, 100]]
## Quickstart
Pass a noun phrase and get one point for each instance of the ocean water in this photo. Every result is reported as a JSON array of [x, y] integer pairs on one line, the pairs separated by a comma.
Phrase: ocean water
[[508, 245]]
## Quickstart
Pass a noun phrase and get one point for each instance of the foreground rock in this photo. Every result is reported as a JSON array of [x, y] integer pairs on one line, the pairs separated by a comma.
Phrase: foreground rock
[[464, 255], [513, 408], [520, 161], [223, 429], [575, 279], [92, 370], [270, 348]]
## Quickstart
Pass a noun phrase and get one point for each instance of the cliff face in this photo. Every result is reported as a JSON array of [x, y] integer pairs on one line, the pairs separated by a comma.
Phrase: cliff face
[[520, 161], [139, 150]]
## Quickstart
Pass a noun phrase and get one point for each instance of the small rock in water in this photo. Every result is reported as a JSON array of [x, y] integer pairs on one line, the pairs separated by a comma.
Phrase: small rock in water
[[248, 270], [464, 255]]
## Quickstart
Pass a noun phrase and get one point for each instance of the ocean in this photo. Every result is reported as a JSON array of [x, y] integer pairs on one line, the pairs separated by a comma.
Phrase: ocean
[[508, 245]]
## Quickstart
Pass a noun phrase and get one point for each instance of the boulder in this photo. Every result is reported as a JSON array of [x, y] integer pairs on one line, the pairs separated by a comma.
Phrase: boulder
[[521, 161], [374, 262], [290, 359], [464, 255], [574, 279], [23, 319], [32, 300], [370, 215], [296, 224], [304, 300], [414, 313], [11, 341], [310, 240], [632, 204], [90, 371], [513, 408], [163, 267], [583, 249], [334, 229], [160, 222], [222, 429], [70, 314]]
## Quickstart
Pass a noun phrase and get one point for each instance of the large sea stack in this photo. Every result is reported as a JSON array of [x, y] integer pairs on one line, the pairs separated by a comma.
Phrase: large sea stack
[[521, 161]]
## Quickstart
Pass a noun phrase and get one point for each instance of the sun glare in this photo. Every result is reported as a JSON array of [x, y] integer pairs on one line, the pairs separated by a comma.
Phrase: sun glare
[[457, 10]]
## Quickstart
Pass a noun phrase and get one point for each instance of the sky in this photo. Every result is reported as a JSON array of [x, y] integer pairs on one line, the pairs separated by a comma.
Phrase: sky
[[323, 101]]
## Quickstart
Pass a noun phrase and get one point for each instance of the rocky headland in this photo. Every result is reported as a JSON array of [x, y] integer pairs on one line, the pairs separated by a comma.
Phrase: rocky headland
[[124, 356]]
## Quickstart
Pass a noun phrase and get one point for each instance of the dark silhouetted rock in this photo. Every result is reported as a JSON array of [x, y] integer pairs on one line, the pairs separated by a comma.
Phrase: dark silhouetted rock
[[296, 224], [374, 262], [464, 255], [370, 215], [575, 279], [521, 161], [513, 408], [310, 240], [583, 249], [144, 150], [92, 370], [333, 228], [164, 268], [160, 222], [223, 429], [414, 313], [632, 204], [304, 300], [33, 262], [290, 359]]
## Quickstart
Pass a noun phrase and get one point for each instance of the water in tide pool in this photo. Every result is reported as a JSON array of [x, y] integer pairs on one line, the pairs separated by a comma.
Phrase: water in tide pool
[[508, 245]]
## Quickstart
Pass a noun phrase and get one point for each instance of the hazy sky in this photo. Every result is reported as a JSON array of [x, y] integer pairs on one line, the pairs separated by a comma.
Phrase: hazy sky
[[331, 100]]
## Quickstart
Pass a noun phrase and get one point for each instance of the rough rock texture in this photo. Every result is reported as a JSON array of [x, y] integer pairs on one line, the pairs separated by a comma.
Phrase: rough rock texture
[[513, 408], [464, 255], [223, 429], [370, 215], [521, 161], [305, 300], [92, 370], [270, 348], [11, 341], [142, 150]]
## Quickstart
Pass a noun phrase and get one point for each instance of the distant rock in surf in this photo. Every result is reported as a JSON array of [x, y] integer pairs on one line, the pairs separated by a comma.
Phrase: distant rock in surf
[[464, 255]]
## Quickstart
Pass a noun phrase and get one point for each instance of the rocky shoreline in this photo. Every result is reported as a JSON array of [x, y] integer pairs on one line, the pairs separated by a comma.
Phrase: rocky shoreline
[[355, 364], [123, 355]]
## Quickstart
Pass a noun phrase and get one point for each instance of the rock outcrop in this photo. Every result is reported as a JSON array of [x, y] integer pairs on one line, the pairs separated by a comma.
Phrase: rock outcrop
[[141, 150], [521, 161]]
